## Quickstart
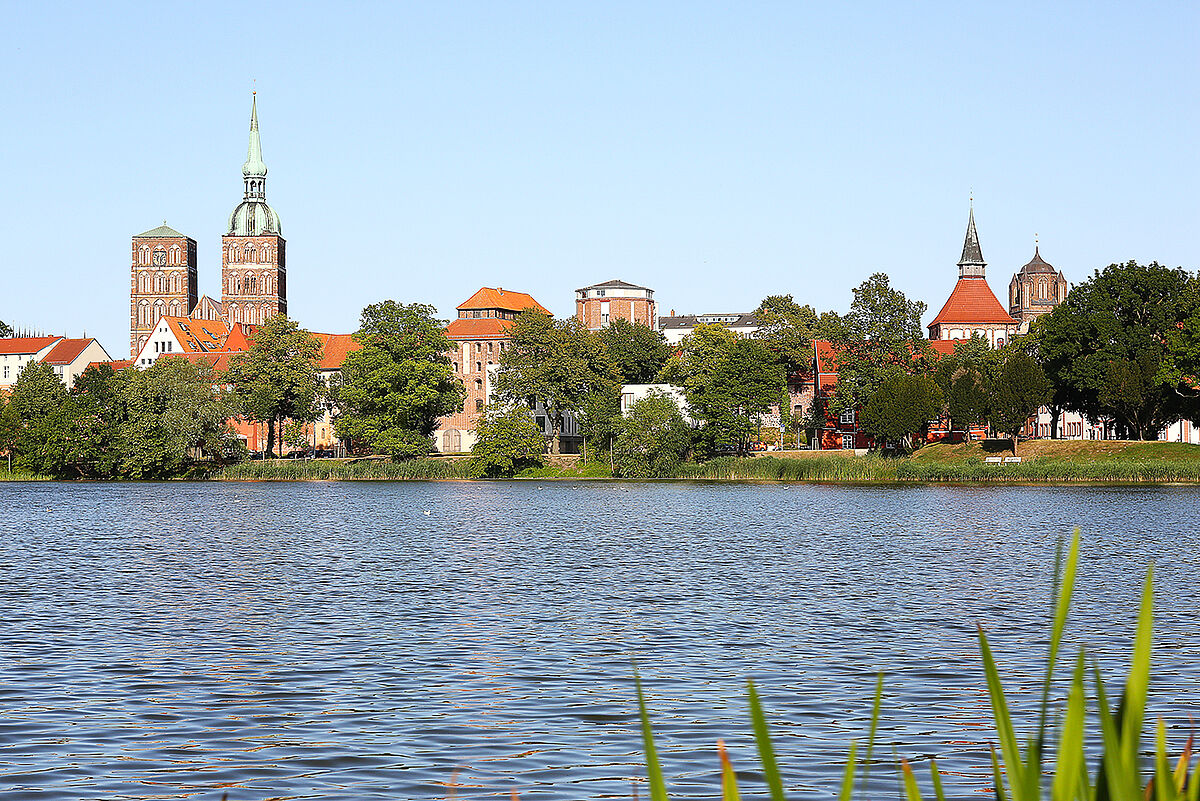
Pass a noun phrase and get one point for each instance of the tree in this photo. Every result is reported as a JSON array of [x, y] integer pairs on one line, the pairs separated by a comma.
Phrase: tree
[[652, 439], [881, 333], [637, 352], [35, 419], [900, 407], [399, 383], [91, 419], [5, 330], [175, 414], [964, 377], [277, 379], [786, 328], [729, 382], [507, 439], [1021, 387], [1124, 315], [557, 362]]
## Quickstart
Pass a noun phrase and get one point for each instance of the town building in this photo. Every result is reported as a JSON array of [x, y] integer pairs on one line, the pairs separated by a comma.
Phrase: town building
[[599, 304], [972, 307], [675, 328], [632, 393], [1035, 290], [162, 280], [69, 357]]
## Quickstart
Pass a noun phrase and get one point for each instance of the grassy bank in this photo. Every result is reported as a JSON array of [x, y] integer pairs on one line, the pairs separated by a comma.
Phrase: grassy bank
[[1043, 462], [17, 475]]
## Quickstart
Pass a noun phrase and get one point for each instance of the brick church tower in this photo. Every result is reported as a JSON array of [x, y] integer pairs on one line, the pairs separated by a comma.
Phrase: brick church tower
[[162, 281], [253, 251]]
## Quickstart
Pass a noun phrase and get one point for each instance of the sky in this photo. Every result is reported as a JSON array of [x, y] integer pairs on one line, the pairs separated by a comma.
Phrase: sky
[[716, 153]]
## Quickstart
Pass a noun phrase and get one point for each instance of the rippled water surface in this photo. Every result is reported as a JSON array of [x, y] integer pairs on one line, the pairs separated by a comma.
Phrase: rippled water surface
[[367, 641]]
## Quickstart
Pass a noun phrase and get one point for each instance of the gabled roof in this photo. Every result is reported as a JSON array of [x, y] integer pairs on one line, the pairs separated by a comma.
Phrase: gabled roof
[[67, 351], [972, 303], [198, 336], [117, 364], [163, 231], [206, 304], [732, 320], [239, 337], [500, 298], [478, 328], [13, 346], [334, 350], [616, 283]]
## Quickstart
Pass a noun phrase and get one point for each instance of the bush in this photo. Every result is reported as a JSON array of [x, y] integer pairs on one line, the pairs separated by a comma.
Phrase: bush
[[508, 439], [652, 440]]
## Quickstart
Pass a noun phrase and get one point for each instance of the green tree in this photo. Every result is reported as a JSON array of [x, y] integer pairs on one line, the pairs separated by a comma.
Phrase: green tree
[[36, 419], [394, 388], [1020, 388], [91, 424], [557, 362], [507, 439], [965, 378], [786, 328], [881, 334], [901, 407], [652, 439], [637, 352], [175, 415], [5, 330], [277, 379], [1125, 317], [729, 382]]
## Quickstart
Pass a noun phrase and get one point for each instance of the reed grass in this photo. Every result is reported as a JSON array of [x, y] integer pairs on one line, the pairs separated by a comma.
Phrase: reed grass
[[1050, 763], [347, 470]]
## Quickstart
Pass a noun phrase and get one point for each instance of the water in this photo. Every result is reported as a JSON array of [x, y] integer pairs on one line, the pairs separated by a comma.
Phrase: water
[[368, 641]]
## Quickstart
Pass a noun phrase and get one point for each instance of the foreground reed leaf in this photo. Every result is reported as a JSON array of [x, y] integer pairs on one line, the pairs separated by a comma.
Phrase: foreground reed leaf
[[729, 791], [1164, 786], [938, 792], [847, 791], [911, 791], [658, 788], [766, 753], [1071, 762], [997, 776], [1004, 728], [1181, 767], [1138, 684], [876, 706]]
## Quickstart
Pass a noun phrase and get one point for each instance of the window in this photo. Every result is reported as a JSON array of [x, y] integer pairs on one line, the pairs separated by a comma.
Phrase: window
[[847, 418], [489, 347], [170, 346], [478, 347], [848, 442], [479, 367], [479, 385], [479, 404], [6, 372]]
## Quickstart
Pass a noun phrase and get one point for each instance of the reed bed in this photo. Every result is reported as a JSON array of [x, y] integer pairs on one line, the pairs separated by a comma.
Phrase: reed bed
[[770, 468], [1053, 760], [1052, 471], [347, 470]]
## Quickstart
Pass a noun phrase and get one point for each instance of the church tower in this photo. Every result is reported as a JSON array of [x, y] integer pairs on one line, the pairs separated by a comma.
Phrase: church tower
[[253, 251], [162, 281]]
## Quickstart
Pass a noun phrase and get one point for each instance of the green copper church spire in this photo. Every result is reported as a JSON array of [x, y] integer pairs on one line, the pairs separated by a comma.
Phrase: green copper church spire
[[254, 166], [253, 217]]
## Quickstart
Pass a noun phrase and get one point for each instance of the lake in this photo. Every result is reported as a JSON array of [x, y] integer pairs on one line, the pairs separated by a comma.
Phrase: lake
[[389, 640]]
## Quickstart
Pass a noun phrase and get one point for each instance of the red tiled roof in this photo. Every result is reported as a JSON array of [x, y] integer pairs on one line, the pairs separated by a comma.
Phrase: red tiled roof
[[972, 303], [499, 298], [198, 336], [67, 351], [334, 350], [239, 337], [117, 364], [15, 345], [481, 328]]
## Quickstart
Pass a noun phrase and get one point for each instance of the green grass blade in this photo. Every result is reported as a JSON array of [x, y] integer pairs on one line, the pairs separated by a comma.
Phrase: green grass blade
[[876, 706], [1004, 728], [1164, 785], [1071, 760], [847, 791], [729, 791], [1138, 684], [938, 792], [658, 788], [998, 776], [766, 753], [911, 791], [1114, 782]]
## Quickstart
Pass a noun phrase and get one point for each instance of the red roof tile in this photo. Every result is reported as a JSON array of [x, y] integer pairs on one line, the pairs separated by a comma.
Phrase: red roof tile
[[334, 350], [67, 351], [198, 336], [15, 345], [972, 303], [482, 328], [498, 298], [117, 364]]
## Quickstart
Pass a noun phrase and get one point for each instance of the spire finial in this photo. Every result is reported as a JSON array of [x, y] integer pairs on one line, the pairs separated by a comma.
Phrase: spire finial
[[971, 265], [254, 166]]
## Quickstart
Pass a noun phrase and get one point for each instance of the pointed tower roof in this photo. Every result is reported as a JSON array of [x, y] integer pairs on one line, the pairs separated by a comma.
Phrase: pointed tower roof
[[1037, 264], [971, 253], [254, 161]]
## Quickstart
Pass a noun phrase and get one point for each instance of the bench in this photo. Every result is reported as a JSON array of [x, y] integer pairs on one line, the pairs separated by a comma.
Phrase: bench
[[1012, 459], [994, 459]]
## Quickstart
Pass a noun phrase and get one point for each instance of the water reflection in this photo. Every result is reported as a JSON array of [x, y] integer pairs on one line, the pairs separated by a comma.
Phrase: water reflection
[[333, 641]]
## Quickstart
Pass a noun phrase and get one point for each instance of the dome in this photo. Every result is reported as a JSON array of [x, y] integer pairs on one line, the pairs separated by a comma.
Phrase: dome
[[1037, 264], [254, 218]]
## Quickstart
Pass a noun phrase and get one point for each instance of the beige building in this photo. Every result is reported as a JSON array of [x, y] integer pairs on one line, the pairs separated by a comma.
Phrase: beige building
[[598, 305], [68, 357]]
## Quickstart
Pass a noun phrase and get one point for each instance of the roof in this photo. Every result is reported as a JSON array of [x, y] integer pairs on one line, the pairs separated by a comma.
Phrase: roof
[[334, 350], [971, 254], [732, 319], [500, 298], [163, 231], [972, 303], [478, 328], [117, 364], [239, 337], [18, 345], [1037, 264], [198, 336], [219, 362], [67, 351], [616, 283]]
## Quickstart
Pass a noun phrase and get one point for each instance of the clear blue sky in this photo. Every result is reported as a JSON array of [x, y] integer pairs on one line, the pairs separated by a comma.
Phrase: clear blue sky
[[714, 152]]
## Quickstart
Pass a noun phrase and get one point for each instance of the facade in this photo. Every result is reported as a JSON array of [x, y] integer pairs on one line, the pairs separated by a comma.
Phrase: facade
[[632, 393], [1035, 290], [972, 307], [675, 328], [69, 357], [599, 304], [253, 250], [162, 280], [183, 335]]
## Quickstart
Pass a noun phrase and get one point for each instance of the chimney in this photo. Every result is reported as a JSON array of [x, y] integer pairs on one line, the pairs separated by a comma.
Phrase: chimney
[[672, 312], [500, 290]]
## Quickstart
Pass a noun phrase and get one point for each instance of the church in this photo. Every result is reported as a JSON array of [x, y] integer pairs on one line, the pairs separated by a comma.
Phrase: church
[[163, 277]]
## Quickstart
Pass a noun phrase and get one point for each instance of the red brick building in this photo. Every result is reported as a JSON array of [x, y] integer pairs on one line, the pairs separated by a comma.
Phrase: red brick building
[[162, 281], [598, 305], [480, 333]]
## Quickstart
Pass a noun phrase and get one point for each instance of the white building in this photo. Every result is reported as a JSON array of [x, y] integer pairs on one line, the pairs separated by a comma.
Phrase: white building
[[632, 393], [675, 328], [69, 357]]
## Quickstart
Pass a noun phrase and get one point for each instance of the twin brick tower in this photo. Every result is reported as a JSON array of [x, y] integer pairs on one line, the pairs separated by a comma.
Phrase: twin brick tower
[[253, 263]]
